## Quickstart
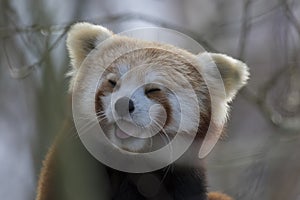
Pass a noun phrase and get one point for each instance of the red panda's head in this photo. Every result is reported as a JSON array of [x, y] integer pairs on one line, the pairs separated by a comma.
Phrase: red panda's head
[[141, 92]]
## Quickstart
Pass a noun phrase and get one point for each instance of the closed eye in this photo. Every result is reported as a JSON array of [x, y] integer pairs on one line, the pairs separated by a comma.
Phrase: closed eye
[[152, 90], [112, 82]]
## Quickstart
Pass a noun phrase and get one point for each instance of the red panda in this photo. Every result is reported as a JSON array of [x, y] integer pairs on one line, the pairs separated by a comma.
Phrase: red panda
[[141, 75]]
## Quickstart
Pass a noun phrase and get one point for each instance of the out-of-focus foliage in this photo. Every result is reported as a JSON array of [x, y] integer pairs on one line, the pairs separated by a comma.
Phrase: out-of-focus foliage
[[258, 160]]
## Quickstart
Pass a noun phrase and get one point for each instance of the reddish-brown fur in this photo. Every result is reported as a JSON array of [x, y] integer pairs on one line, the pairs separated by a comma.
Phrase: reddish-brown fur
[[84, 37]]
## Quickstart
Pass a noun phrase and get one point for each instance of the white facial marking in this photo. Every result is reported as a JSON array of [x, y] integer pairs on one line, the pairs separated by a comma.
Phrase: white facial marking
[[123, 69], [146, 120]]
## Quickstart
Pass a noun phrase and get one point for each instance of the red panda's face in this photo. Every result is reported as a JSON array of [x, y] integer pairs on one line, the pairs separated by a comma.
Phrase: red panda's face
[[139, 104], [144, 93]]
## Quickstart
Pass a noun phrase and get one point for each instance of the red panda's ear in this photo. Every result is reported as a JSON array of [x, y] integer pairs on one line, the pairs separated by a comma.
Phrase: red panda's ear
[[234, 73], [82, 39], [224, 76]]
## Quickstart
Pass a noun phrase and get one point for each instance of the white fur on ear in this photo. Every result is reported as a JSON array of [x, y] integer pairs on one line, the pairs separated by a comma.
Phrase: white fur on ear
[[234, 73], [82, 39], [224, 76]]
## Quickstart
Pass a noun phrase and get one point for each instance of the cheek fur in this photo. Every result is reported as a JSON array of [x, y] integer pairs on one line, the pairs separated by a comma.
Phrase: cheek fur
[[98, 103], [103, 91], [162, 99]]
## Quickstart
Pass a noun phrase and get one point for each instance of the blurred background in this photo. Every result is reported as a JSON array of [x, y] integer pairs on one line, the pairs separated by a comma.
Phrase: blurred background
[[260, 157]]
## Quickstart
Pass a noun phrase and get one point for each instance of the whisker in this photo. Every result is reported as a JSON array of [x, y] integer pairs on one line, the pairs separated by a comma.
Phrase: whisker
[[165, 134], [88, 125], [83, 127], [168, 142]]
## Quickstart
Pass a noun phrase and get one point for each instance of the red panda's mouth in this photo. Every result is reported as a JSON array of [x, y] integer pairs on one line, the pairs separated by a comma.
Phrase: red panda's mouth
[[124, 129], [121, 134]]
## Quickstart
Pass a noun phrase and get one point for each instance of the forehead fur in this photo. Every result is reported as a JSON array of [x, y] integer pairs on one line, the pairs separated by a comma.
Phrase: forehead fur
[[157, 65], [125, 53]]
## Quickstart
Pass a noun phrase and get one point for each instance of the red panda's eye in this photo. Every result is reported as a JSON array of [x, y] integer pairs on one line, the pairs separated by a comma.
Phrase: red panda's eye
[[112, 82], [151, 90]]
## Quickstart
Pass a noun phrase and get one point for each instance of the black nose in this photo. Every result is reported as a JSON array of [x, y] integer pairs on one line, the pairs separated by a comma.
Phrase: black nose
[[124, 105]]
